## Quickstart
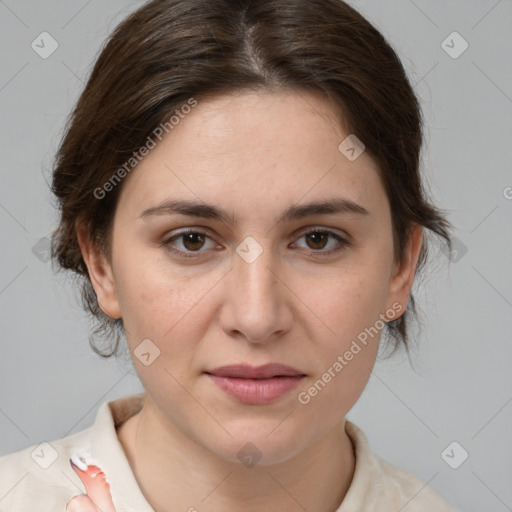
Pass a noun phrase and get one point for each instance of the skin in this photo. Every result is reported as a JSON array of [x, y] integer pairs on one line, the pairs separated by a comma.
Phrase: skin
[[249, 152]]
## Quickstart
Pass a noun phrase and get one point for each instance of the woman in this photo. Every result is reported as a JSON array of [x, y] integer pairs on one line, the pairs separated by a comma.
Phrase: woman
[[240, 195]]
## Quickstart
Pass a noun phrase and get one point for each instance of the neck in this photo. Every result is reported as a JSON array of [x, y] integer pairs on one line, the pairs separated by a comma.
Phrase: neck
[[170, 468]]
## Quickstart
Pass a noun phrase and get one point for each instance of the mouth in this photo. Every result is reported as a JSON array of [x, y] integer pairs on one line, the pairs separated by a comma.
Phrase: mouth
[[256, 385], [266, 371]]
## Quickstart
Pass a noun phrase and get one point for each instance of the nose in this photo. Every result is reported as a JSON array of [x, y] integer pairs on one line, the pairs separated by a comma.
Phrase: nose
[[257, 303]]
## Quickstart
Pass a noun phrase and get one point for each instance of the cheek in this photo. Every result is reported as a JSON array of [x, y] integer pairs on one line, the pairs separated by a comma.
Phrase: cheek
[[346, 355], [348, 301], [350, 304], [160, 302]]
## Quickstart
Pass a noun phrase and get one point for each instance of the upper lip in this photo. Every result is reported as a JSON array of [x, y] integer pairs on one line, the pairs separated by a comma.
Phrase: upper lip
[[266, 371]]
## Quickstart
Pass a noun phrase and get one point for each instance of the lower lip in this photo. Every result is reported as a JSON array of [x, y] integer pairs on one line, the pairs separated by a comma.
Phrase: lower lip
[[256, 391]]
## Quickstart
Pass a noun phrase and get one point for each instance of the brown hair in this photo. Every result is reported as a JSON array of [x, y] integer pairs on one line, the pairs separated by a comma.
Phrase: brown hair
[[169, 51]]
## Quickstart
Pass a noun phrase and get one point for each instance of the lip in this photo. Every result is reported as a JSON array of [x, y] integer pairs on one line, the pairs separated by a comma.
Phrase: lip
[[245, 371], [256, 385]]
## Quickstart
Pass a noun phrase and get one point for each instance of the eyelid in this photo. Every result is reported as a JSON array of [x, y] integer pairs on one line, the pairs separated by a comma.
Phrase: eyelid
[[184, 255], [344, 240], [315, 229], [199, 230]]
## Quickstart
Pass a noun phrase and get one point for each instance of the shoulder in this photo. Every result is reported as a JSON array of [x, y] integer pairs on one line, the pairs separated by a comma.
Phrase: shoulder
[[40, 477], [379, 485], [406, 489]]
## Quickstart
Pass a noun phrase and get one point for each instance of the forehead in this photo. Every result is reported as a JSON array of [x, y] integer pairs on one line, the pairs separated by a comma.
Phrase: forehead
[[257, 122], [254, 150]]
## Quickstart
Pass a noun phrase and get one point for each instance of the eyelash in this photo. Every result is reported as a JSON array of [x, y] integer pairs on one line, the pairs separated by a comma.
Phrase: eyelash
[[192, 254]]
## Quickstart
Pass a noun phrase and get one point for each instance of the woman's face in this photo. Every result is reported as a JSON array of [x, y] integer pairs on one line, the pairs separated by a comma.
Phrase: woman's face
[[254, 288]]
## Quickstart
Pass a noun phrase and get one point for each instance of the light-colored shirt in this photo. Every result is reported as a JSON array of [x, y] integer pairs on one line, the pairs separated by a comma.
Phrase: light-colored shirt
[[40, 478]]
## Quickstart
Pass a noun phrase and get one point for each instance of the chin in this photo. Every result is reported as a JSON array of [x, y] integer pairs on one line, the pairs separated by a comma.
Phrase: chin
[[259, 444]]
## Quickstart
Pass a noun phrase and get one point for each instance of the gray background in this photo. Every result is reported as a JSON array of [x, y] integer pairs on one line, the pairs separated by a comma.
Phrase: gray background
[[51, 383]]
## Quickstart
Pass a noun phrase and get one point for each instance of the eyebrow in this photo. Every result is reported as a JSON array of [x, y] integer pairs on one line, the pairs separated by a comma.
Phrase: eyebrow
[[208, 211]]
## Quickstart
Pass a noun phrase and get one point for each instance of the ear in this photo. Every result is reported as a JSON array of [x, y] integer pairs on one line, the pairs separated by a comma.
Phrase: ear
[[401, 282], [100, 274]]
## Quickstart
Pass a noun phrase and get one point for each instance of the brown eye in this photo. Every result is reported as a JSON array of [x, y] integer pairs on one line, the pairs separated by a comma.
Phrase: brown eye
[[318, 239], [192, 241]]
